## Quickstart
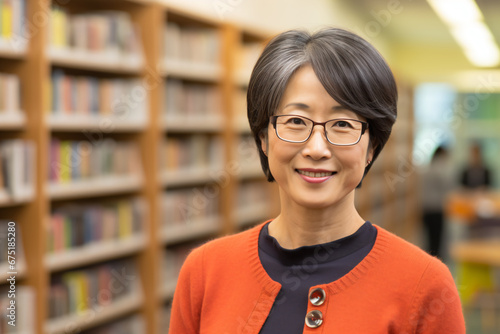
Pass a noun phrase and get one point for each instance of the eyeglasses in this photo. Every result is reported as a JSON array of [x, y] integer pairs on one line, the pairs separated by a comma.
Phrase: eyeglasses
[[298, 129]]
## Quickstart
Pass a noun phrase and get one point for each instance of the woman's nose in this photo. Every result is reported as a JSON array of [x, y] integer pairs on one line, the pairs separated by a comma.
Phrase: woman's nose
[[317, 147]]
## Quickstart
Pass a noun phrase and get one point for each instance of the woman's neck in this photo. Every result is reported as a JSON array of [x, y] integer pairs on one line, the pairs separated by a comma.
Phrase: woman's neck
[[297, 226]]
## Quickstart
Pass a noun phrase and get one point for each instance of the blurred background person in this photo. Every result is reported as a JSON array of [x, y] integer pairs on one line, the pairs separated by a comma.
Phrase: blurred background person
[[437, 182], [476, 175]]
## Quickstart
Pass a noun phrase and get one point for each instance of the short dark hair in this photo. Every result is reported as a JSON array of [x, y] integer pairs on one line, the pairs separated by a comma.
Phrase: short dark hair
[[352, 71]]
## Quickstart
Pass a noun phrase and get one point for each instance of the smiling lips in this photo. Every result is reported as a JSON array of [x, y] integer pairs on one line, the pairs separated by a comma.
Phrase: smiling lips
[[315, 175]]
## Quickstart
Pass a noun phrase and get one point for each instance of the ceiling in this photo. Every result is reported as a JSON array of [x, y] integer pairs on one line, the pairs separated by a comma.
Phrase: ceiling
[[415, 21], [421, 43]]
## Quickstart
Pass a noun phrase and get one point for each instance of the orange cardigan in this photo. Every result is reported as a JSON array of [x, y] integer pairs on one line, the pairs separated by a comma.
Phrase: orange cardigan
[[396, 288]]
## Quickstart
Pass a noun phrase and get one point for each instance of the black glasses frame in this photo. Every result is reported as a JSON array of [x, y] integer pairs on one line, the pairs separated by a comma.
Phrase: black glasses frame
[[364, 127]]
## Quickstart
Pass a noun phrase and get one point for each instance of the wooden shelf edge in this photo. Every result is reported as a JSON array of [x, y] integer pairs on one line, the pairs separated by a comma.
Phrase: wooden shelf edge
[[6, 200], [195, 123], [13, 48], [12, 120], [79, 122], [252, 172], [94, 187], [187, 177], [190, 70], [94, 317], [187, 231], [132, 64], [242, 77], [95, 252], [241, 125], [20, 270]]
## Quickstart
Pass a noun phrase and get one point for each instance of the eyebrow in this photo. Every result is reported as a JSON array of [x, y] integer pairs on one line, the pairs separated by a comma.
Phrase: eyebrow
[[305, 106]]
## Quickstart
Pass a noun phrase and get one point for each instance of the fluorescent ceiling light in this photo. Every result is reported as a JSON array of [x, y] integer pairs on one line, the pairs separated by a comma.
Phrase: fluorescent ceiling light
[[465, 21], [456, 11]]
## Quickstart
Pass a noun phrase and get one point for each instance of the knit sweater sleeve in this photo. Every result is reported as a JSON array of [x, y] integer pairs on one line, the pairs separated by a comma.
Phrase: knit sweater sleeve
[[436, 306], [186, 306]]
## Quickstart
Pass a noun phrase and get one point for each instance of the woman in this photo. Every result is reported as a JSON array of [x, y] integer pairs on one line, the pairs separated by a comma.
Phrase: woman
[[321, 108]]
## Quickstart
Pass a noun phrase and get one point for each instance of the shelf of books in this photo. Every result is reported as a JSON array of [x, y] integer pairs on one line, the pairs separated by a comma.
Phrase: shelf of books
[[121, 149], [87, 297], [251, 186]]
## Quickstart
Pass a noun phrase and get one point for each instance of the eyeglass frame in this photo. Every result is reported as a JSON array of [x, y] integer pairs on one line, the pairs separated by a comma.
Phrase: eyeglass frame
[[364, 127]]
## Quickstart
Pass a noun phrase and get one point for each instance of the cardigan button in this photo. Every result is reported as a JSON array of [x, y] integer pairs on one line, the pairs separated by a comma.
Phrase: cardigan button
[[314, 319], [317, 296]]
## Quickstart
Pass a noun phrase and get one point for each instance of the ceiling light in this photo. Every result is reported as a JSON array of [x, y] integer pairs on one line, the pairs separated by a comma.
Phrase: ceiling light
[[465, 21], [456, 11]]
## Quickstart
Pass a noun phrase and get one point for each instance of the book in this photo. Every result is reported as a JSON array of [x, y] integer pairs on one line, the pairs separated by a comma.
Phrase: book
[[188, 100], [91, 288], [87, 224], [18, 168], [109, 34], [71, 161], [191, 44], [191, 152]]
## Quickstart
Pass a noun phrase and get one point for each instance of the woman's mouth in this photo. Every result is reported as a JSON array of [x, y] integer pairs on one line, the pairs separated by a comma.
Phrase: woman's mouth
[[312, 176]]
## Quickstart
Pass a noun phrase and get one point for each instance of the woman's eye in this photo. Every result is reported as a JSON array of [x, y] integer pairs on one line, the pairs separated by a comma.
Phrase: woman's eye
[[296, 121], [342, 124]]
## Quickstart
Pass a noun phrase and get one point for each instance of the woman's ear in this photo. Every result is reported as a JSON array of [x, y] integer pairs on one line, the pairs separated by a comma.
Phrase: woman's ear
[[369, 154], [264, 144]]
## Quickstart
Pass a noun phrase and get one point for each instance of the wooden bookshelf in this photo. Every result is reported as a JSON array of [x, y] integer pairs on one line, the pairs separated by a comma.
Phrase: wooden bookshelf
[[180, 232], [100, 186], [95, 252], [35, 61], [14, 120], [93, 318]]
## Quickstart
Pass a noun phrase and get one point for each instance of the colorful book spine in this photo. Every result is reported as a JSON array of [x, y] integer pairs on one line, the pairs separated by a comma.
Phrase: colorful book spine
[[82, 160], [193, 44], [185, 99], [74, 226], [191, 152], [91, 288], [84, 95], [108, 32]]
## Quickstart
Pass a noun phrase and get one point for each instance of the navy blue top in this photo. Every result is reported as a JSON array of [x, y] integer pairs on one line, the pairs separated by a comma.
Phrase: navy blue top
[[299, 269]]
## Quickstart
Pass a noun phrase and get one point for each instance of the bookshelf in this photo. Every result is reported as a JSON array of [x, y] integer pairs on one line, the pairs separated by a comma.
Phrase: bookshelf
[[102, 122], [155, 95]]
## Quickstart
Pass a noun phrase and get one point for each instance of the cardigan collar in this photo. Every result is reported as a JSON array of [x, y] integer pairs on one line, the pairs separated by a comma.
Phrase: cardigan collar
[[378, 250]]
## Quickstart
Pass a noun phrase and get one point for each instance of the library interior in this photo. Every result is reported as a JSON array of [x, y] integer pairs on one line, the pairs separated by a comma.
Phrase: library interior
[[124, 144]]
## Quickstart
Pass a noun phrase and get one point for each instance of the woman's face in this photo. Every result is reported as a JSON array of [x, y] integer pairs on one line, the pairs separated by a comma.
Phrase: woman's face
[[296, 166]]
